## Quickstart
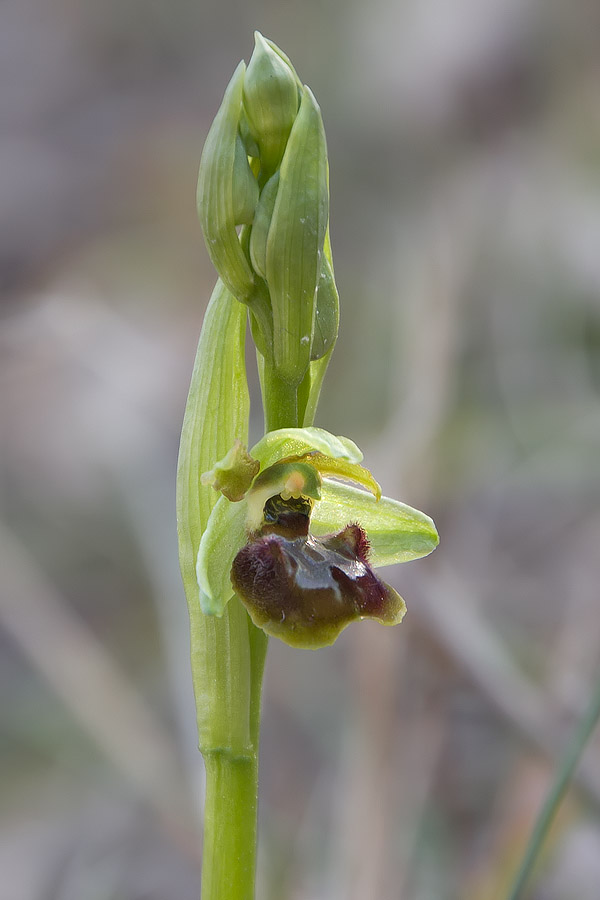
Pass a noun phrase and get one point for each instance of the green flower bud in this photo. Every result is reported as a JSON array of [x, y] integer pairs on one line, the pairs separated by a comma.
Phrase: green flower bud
[[244, 186], [295, 241], [261, 224], [288, 63], [249, 142], [327, 312], [227, 192], [270, 102]]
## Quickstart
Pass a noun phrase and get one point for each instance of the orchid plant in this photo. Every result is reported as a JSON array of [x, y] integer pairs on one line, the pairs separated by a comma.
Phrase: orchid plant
[[281, 540]]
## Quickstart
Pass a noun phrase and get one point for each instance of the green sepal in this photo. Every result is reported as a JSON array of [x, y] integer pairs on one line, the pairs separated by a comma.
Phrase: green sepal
[[270, 102], [285, 442], [295, 241], [397, 533], [225, 173]]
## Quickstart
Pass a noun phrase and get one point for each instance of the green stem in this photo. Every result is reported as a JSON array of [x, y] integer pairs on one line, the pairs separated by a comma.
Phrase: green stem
[[280, 399], [229, 858], [555, 795], [230, 812], [230, 817], [231, 667]]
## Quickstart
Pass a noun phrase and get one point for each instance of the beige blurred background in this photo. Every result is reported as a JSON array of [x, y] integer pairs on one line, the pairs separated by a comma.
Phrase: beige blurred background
[[402, 764]]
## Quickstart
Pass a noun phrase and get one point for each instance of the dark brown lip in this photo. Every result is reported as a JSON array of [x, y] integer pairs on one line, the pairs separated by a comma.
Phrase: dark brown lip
[[306, 589]]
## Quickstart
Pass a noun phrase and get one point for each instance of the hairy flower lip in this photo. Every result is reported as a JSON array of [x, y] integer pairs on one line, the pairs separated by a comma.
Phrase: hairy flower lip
[[306, 590]]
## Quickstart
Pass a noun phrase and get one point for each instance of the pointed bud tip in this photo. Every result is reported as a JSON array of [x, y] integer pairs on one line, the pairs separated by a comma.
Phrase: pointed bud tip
[[259, 41]]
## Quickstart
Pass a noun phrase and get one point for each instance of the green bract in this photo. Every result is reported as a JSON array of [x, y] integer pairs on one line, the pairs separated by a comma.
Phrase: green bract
[[303, 463], [216, 419]]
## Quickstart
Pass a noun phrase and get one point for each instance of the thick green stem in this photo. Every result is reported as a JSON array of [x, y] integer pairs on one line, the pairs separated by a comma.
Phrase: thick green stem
[[230, 813], [229, 858], [280, 399], [228, 864]]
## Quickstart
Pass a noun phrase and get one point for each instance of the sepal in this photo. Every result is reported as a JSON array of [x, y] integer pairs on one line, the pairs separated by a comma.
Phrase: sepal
[[297, 441], [397, 532]]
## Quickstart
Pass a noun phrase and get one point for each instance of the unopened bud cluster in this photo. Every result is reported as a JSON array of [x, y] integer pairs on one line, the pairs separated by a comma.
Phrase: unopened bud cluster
[[264, 168]]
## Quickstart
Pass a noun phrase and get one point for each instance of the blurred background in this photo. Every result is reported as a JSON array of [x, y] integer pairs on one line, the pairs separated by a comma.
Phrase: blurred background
[[402, 764]]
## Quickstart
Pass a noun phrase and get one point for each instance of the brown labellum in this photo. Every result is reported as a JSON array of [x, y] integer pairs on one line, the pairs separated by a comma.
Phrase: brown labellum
[[304, 589]]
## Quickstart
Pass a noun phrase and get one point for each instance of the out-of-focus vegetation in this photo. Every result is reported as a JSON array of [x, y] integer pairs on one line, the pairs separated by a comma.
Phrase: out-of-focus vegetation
[[464, 142]]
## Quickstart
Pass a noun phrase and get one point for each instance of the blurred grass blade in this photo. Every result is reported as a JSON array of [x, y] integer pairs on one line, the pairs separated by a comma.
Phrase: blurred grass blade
[[561, 782]]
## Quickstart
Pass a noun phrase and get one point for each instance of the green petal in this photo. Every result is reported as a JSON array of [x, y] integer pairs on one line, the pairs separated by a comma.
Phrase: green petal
[[285, 442], [397, 533], [233, 474], [341, 468], [225, 535]]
